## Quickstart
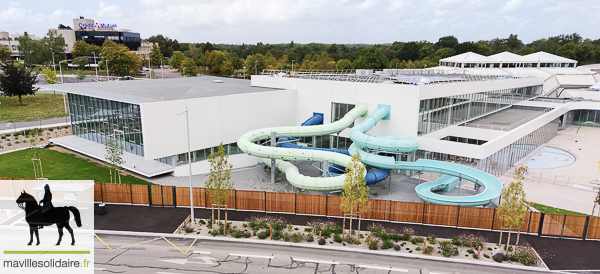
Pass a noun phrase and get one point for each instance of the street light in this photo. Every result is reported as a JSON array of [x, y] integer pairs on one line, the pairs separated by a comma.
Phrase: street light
[[162, 75], [409, 65], [106, 70], [96, 63], [293, 64], [190, 164], [183, 72], [53, 64]]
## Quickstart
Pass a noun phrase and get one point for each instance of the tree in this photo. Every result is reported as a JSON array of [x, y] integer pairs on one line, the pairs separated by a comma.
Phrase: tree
[[226, 68], [343, 64], [155, 55], [27, 47], [596, 201], [17, 80], [569, 50], [80, 48], [189, 67], [446, 42], [50, 76], [114, 158], [81, 62], [54, 43], [80, 75], [410, 51], [218, 183], [5, 53], [121, 61], [256, 63], [512, 210], [176, 59], [371, 58], [34, 156], [355, 195]]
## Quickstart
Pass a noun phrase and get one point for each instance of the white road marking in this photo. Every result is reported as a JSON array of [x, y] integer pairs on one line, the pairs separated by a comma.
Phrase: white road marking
[[205, 260], [167, 273], [251, 256], [201, 252], [99, 269], [178, 261], [314, 261], [382, 268]]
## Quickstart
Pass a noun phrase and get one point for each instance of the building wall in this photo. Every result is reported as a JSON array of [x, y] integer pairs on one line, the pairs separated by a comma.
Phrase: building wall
[[212, 120], [203, 167]]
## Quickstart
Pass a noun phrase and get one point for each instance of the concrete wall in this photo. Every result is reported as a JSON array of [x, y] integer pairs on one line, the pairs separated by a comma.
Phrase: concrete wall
[[212, 120]]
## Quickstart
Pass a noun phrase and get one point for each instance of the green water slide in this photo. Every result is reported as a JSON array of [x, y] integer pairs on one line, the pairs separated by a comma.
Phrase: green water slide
[[247, 143]]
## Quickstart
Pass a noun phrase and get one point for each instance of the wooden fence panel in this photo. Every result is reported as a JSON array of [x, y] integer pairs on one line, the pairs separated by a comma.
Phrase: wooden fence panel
[[441, 214], [116, 193], [534, 222], [156, 194], [524, 222], [476, 217], [167, 192], [574, 226], [380, 210], [553, 224], [311, 204], [280, 202], [593, 231], [333, 206], [97, 192], [199, 197], [139, 194], [230, 202], [182, 194], [250, 200], [407, 212]]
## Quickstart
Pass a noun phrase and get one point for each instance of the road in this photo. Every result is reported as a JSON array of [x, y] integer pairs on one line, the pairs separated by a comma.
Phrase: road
[[157, 255]]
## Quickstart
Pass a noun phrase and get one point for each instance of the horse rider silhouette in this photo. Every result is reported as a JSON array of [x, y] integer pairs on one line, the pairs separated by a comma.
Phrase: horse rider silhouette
[[46, 202]]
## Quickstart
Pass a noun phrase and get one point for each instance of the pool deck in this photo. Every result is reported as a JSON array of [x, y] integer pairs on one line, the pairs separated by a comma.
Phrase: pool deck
[[567, 187]]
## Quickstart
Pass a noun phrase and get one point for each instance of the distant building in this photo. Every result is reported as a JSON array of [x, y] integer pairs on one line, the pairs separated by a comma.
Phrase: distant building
[[11, 42]]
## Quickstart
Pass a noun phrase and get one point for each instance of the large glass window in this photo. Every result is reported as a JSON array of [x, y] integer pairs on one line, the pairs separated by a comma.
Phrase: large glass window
[[338, 110], [438, 113], [97, 119]]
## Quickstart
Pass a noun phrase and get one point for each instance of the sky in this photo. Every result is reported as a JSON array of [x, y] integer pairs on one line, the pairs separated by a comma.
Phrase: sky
[[320, 21]]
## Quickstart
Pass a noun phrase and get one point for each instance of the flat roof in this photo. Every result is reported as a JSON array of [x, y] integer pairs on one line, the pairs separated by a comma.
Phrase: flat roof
[[157, 90]]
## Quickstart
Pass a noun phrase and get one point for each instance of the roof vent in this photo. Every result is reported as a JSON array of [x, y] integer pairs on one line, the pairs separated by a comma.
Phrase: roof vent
[[217, 81]]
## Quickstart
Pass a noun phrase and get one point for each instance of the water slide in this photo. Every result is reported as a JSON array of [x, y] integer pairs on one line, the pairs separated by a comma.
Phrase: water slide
[[362, 141], [371, 178]]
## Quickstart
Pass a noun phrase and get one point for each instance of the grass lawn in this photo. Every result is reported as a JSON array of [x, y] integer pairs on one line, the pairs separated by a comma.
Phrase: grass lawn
[[549, 209], [58, 166], [34, 107]]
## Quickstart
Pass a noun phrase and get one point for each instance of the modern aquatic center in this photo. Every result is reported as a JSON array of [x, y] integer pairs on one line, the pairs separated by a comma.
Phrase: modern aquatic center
[[462, 122]]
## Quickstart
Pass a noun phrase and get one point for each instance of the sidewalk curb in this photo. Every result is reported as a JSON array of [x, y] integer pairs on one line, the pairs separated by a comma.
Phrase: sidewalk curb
[[151, 234]]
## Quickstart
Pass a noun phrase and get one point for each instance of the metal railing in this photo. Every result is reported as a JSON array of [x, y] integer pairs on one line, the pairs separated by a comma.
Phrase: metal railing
[[511, 126]]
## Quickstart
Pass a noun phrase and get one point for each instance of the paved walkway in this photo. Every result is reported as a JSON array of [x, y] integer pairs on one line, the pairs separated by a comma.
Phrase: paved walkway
[[560, 254]]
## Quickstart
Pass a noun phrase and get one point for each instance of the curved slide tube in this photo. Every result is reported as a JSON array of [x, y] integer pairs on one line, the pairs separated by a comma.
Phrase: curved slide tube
[[371, 178], [247, 144], [492, 185]]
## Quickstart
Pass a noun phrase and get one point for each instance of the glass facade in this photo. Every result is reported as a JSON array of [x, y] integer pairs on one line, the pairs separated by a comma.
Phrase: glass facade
[[96, 119], [338, 110], [583, 115], [464, 140], [441, 112], [501, 161], [200, 155], [340, 142]]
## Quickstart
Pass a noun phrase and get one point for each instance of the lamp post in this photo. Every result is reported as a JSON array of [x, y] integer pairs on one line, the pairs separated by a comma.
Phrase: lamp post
[[96, 63], [409, 65], [106, 70], [293, 64], [149, 71], [190, 164], [53, 64], [255, 69]]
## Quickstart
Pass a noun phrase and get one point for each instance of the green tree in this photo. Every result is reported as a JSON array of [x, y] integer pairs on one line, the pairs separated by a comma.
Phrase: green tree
[[80, 75], [121, 61], [325, 62], [189, 67], [155, 55], [355, 195], [513, 208], [81, 48], [27, 49], [5, 53], [256, 63], [569, 50], [219, 183], [446, 42], [216, 60], [17, 80], [114, 158], [54, 43], [227, 68], [50, 76], [343, 64], [81, 61], [371, 58], [176, 59]]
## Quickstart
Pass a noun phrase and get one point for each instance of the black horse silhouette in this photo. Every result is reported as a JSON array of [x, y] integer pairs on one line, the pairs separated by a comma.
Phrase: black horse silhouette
[[55, 215]]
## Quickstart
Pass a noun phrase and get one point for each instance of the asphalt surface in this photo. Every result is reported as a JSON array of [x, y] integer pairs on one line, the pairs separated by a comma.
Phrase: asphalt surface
[[558, 254], [152, 255]]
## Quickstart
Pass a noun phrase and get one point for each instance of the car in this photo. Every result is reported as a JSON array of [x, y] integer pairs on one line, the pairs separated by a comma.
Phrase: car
[[140, 73], [128, 77], [145, 69]]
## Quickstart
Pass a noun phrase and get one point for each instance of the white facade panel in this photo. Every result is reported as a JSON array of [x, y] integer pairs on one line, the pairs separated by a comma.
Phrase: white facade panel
[[203, 167], [445, 90]]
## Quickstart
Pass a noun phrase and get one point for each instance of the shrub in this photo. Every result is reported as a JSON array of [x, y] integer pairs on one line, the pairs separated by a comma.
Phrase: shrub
[[245, 225], [337, 230], [9, 144], [428, 250], [209, 225], [349, 239], [513, 258], [385, 236], [455, 241], [376, 230], [406, 235], [326, 233], [475, 256], [510, 248], [499, 257], [286, 236], [414, 241], [290, 226], [397, 237], [3, 137], [527, 256], [237, 233], [361, 236], [50, 129], [397, 247], [202, 222], [418, 248], [486, 255], [357, 241], [277, 226], [297, 237], [469, 240], [277, 235], [337, 238], [310, 238], [308, 229], [470, 251], [448, 249], [374, 245], [322, 241], [419, 239], [255, 228], [189, 230], [214, 232], [490, 249], [431, 239], [387, 244]]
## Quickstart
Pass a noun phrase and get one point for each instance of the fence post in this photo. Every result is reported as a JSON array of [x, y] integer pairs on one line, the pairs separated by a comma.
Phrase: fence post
[[162, 198], [563, 226], [130, 193], [423, 217], [234, 200], [295, 208], [585, 227], [101, 192], [265, 201], [493, 219], [458, 216], [149, 195], [529, 224], [541, 224], [174, 197]]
